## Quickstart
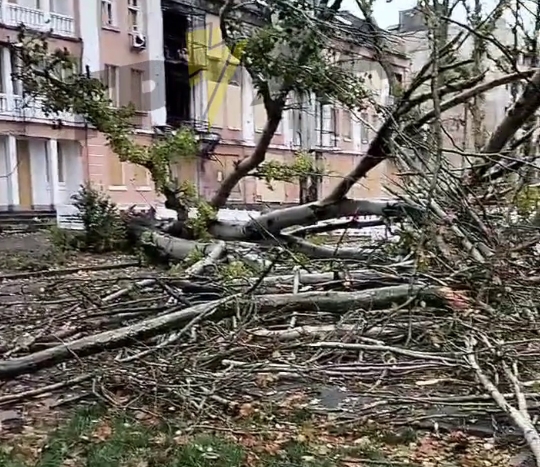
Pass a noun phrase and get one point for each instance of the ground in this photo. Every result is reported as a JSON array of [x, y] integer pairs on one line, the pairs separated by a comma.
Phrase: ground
[[102, 414]]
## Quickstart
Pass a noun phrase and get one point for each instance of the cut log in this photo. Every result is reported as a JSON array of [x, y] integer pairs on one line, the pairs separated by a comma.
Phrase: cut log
[[337, 302], [103, 341]]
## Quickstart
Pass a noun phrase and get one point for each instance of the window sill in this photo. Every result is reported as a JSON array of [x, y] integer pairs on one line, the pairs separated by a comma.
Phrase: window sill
[[347, 140], [110, 27], [234, 128], [143, 188], [118, 188]]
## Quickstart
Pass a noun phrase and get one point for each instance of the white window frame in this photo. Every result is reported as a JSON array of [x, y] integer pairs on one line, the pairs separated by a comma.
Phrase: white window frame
[[134, 7], [112, 4]]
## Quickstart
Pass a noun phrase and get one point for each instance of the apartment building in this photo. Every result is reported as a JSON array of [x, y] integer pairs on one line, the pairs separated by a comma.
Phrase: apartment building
[[166, 57], [458, 126], [229, 108]]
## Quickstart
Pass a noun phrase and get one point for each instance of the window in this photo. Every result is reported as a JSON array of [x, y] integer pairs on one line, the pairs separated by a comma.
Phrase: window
[[346, 123], [364, 129], [108, 13], [110, 79], [140, 176], [234, 74], [3, 78], [62, 7], [134, 15], [35, 4], [375, 122], [215, 71], [334, 129], [17, 85], [65, 71], [61, 161], [137, 89], [528, 60], [116, 171]]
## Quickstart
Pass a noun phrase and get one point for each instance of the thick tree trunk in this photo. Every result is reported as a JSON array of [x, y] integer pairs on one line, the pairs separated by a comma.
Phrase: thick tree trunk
[[336, 302]]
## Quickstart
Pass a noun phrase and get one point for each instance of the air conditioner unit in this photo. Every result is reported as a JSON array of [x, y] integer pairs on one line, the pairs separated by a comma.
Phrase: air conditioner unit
[[138, 41]]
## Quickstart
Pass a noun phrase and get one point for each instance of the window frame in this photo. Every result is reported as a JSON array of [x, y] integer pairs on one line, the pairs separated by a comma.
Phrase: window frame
[[136, 11], [111, 13], [107, 81]]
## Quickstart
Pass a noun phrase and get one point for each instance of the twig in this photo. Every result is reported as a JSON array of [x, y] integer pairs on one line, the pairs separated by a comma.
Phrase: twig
[[65, 271], [37, 392], [176, 336], [122, 292], [382, 348], [523, 422]]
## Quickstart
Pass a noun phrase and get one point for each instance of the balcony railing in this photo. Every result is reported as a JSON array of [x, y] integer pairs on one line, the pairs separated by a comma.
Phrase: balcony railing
[[39, 20], [16, 108]]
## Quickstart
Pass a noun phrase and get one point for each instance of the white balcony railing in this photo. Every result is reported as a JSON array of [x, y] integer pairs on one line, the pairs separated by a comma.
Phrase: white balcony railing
[[17, 108], [13, 15]]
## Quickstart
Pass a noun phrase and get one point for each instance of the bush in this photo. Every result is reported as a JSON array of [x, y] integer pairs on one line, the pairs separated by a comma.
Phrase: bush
[[104, 229]]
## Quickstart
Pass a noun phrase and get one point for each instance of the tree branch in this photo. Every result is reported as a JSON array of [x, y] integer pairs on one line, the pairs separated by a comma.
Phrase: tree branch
[[470, 93]]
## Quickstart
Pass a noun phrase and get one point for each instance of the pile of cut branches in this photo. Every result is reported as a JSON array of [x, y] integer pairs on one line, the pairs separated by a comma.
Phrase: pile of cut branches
[[435, 328]]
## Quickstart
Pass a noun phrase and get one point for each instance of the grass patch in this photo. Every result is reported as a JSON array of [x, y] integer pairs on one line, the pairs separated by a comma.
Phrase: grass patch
[[94, 438]]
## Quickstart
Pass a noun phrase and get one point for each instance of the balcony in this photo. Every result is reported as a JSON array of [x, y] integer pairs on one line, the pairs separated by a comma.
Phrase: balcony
[[38, 20], [16, 108], [208, 140]]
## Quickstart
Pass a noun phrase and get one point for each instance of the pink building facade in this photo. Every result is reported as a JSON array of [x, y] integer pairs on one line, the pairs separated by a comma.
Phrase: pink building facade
[[136, 47]]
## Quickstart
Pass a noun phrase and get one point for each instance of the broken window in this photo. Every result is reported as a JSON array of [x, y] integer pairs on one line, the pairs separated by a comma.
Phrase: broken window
[[177, 73]]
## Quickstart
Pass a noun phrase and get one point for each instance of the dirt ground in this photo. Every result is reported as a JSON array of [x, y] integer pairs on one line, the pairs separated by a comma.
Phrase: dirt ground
[[30, 242]]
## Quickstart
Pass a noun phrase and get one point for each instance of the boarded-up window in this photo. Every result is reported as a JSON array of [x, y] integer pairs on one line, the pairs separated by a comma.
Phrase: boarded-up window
[[217, 89], [116, 171], [276, 191], [140, 175], [233, 105]]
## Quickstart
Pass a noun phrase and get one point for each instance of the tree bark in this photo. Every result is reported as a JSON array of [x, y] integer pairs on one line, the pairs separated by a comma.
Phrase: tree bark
[[336, 302]]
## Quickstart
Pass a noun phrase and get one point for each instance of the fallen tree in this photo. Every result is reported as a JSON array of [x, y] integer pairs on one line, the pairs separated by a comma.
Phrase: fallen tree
[[442, 311]]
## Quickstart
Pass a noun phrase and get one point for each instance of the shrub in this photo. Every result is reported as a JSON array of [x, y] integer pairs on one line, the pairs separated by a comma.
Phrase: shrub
[[104, 229]]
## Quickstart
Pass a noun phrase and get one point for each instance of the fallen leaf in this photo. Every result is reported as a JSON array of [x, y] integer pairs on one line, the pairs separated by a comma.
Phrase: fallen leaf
[[102, 432], [246, 410]]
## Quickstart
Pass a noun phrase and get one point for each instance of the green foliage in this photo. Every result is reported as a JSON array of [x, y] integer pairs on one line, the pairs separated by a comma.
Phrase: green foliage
[[104, 229], [291, 51], [301, 166], [527, 201], [235, 270], [206, 214], [194, 256], [64, 240]]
